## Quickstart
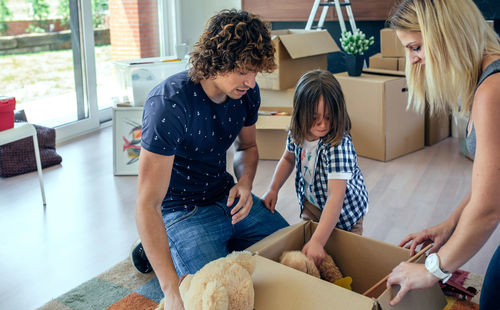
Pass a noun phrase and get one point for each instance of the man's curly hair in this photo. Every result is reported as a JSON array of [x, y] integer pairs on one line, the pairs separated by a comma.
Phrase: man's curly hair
[[232, 40]]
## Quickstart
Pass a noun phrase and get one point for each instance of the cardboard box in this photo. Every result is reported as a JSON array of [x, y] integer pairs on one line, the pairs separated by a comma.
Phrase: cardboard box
[[277, 98], [401, 63], [461, 121], [437, 127], [366, 260], [377, 61], [7, 107], [390, 46], [297, 51], [382, 127], [272, 130]]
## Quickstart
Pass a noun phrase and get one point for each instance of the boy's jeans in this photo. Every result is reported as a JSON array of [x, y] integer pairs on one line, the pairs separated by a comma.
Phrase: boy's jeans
[[200, 234]]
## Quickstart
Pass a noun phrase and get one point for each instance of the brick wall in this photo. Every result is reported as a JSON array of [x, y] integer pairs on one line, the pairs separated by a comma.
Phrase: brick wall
[[133, 29], [19, 26]]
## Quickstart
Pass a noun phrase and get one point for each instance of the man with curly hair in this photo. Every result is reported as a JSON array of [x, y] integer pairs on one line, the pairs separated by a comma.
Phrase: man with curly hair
[[189, 210]]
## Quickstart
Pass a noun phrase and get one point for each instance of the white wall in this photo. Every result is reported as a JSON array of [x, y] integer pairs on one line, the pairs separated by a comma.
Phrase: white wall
[[195, 13]]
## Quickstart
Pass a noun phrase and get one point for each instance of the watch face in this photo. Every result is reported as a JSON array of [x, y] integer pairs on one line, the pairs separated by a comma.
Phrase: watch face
[[431, 261]]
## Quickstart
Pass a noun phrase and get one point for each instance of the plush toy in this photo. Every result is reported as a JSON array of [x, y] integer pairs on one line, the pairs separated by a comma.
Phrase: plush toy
[[222, 284], [327, 271]]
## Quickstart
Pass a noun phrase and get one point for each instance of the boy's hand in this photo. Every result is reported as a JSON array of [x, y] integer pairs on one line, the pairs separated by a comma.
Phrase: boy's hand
[[269, 199], [314, 250]]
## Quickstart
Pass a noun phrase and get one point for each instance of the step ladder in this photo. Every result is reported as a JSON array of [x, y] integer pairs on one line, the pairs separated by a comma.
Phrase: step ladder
[[326, 5]]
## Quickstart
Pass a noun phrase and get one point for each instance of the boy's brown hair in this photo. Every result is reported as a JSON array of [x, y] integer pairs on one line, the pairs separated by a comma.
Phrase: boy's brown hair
[[311, 87], [232, 40]]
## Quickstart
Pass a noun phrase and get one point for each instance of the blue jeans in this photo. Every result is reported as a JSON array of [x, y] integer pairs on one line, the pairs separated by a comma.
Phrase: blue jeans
[[490, 298], [200, 234]]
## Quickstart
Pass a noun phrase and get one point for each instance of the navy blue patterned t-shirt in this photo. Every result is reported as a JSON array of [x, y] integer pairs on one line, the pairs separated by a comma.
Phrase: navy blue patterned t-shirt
[[179, 119]]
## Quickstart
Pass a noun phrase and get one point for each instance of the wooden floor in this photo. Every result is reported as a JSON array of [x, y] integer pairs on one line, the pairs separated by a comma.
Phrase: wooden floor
[[88, 224]]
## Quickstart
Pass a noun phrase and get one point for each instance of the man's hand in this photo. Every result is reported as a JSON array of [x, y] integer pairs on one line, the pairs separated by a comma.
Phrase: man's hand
[[410, 277], [314, 250], [242, 208], [270, 199], [173, 299], [438, 235]]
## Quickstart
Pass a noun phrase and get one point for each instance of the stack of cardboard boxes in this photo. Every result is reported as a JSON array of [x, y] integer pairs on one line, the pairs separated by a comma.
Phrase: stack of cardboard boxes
[[392, 57], [297, 52], [392, 53], [382, 126]]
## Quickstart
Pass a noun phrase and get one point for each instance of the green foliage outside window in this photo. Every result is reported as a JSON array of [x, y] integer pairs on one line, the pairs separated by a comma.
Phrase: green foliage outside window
[[99, 12], [39, 10], [63, 12], [4, 15]]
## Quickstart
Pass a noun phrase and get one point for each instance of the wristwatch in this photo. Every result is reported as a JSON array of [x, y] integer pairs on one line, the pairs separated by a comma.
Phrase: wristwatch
[[432, 265]]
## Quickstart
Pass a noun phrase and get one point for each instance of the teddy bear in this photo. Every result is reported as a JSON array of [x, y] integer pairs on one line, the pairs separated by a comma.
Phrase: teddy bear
[[222, 284], [327, 270]]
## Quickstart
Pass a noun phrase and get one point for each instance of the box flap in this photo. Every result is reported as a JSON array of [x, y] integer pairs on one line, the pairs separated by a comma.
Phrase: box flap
[[429, 299], [306, 44], [280, 287], [274, 121], [384, 72], [380, 287], [277, 33]]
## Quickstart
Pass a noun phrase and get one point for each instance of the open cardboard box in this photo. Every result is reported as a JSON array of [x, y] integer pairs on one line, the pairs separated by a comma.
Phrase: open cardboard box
[[272, 131], [366, 260], [297, 51]]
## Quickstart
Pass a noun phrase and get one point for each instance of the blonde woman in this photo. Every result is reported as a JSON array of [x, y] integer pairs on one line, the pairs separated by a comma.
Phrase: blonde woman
[[454, 56]]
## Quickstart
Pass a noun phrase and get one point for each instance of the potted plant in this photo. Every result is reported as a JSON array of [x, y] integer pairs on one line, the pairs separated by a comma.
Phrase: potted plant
[[355, 45]]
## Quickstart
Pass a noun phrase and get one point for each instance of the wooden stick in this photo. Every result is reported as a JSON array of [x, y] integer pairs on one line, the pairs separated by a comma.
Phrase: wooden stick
[[376, 287]]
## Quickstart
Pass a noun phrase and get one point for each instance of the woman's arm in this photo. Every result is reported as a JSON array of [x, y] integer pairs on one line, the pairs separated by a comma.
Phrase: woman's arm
[[281, 174], [481, 215], [329, 218]]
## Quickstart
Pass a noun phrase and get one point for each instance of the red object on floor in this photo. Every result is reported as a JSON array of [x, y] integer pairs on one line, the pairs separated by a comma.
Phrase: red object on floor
[[7, 107]]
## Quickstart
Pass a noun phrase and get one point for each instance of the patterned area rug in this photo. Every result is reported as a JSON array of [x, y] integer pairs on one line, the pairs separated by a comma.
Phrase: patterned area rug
[[122, 287]]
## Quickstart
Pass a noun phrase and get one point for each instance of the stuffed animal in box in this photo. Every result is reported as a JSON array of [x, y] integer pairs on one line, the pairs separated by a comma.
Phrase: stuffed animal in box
[[327, 271], [222, 284]]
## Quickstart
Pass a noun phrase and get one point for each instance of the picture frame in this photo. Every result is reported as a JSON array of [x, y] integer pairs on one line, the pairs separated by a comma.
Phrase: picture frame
[[127, 133]]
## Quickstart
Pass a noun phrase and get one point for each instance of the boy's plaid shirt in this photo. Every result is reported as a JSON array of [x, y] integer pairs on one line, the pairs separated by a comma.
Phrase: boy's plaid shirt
[[334, 162]]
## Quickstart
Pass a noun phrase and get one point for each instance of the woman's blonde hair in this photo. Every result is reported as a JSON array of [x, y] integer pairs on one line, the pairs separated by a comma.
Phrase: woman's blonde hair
[[455, 38]]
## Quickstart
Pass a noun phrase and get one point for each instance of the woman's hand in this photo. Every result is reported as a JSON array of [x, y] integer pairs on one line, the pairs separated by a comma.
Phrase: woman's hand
[[410, 277], [438, 235], [314, 250], [269, 199]]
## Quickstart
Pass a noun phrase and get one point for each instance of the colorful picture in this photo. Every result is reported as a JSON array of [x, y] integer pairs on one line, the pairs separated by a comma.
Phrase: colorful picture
[[132, 145], [127, 133]]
